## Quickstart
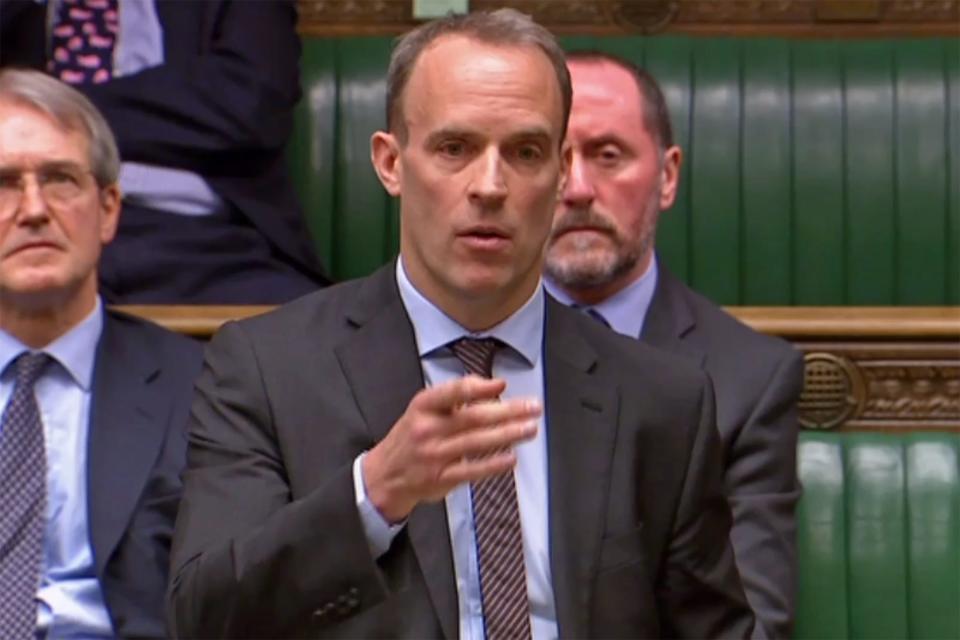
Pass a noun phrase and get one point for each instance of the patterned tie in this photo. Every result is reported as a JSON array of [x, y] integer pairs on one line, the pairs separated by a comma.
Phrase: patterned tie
[[496, 518], [23, 493], [82, 40], [593, 313]]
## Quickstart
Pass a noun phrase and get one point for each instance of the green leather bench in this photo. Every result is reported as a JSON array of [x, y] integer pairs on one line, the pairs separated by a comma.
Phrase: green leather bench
[[816, 172], [879, 536]]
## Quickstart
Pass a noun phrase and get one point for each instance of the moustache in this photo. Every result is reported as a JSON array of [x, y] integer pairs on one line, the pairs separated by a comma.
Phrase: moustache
[[580, 218]]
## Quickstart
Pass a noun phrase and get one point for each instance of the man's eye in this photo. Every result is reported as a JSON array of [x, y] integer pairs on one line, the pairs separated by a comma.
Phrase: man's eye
[[453, 148], [529, 153], [9, 181], [58, 177], [609, 155]]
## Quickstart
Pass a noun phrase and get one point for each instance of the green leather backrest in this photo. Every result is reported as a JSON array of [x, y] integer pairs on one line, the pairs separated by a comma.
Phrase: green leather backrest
[[879, 536], [816, 172]]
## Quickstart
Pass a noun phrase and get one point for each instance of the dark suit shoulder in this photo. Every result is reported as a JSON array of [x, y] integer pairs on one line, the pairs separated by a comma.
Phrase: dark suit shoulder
[[628, 362], [320, 311], [742, 362], [168, 348], [730, 345], [726, 333]]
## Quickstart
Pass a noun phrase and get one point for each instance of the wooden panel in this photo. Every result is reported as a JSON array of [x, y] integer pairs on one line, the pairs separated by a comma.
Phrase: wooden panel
[[893, 323], [895, 385], [824, 18]]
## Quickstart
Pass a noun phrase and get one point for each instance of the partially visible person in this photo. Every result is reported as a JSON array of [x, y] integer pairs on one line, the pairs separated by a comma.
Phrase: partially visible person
[[92, 434], [601, 258], [200, 97], [440, 449]]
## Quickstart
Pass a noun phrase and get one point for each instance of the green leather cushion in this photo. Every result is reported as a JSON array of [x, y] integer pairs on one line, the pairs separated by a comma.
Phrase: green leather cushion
[[879, 536]]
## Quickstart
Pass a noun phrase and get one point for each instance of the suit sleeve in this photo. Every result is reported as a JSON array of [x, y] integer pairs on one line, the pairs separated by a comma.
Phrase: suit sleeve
[[701, 595], [762, 486], [228, 105], [247, 560], [135, 578]]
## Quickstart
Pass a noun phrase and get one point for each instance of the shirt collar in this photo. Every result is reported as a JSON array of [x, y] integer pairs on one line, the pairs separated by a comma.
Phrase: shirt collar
[[522, 331], [75, 350], [625, 310]]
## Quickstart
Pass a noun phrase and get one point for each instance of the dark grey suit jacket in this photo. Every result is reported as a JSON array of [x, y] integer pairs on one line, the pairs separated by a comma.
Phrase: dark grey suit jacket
[[142, 385], [269, 542], [757, 380]]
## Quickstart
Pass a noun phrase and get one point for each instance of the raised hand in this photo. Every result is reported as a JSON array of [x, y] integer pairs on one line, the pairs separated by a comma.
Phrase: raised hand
[[455, 432]]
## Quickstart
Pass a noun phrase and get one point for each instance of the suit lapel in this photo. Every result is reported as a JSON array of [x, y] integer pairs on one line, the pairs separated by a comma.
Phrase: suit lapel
[[670, 318], [126, 433], [382, 368], [581, 431]]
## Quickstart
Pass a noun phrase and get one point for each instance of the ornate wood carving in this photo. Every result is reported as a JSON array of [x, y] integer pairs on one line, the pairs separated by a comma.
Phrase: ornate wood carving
[[881, 386], [801, 17], [867, 368]]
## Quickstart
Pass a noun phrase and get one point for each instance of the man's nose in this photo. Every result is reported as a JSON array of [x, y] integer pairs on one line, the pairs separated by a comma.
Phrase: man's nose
[[489, 185], [578, 190], [33, 206]]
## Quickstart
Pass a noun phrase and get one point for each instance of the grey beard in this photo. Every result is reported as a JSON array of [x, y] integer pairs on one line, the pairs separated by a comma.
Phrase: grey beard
[[576, 274]]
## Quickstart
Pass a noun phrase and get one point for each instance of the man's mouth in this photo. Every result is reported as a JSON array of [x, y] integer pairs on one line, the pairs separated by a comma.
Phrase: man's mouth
[[485, 238], [36, 245], [576, 229]]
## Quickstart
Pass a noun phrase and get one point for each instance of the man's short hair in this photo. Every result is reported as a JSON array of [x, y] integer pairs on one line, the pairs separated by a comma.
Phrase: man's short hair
[[71, 110], [656, 116], [506, 27]]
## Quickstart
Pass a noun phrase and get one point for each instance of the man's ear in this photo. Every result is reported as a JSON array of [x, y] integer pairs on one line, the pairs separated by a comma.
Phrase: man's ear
[[385, 156], [670, 176], [110, 205]]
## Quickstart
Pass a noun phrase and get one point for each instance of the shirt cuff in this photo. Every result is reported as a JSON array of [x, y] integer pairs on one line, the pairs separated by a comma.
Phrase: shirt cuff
[[379, 532]]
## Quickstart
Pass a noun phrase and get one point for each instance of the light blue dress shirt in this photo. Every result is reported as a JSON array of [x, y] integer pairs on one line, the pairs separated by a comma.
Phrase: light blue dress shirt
[[70, 602], [139, 46], [521, 366], [624, 311]]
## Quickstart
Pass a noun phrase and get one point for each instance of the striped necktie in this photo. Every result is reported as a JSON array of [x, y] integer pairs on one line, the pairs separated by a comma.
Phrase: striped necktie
[[496, 519]]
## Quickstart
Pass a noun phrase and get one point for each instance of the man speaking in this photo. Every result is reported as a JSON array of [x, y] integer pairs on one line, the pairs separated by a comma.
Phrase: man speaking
[[440, 449]]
